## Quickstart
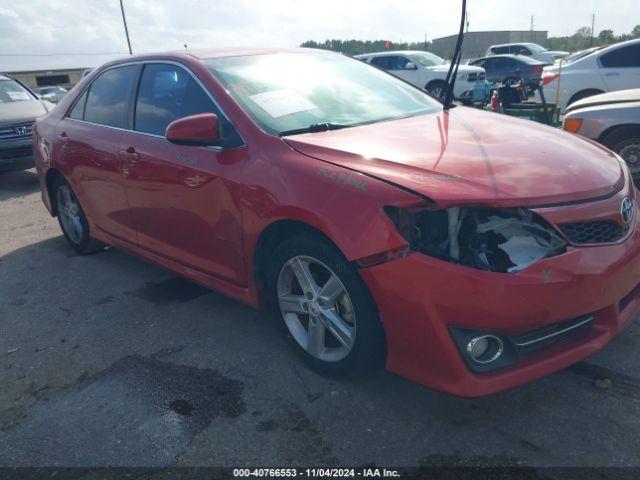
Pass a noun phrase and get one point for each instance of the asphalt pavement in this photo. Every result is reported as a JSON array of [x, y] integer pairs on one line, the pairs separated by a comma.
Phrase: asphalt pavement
[[108, 360]]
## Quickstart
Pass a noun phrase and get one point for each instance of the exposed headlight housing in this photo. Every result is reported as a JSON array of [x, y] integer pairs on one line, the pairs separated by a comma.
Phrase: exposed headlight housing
[[491, 239]]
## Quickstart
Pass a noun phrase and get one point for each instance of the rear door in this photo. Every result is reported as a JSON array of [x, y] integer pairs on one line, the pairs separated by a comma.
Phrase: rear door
[[182, 198], [89, 137], [620, 68]]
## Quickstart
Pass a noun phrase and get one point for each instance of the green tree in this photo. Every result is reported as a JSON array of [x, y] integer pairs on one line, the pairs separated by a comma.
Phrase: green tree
[[635, 33], [606, 37]]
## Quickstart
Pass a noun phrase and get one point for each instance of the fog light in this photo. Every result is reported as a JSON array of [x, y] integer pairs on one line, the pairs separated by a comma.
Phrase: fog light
[[485, 348]]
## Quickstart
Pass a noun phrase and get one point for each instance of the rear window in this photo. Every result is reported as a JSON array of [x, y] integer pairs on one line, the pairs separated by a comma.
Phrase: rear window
[[11, 91], [109, 94]]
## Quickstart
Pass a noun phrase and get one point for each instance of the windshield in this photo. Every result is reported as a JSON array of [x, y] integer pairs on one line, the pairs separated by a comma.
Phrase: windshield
[[427, 59], [285, 92], [12, 91]]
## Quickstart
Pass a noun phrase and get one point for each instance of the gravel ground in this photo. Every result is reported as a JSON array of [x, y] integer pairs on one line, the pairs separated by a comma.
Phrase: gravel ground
[[108, 360]]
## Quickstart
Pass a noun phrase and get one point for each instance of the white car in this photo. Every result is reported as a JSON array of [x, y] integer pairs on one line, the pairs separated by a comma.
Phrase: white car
[[532, 50], [424, 70], [608, 69]]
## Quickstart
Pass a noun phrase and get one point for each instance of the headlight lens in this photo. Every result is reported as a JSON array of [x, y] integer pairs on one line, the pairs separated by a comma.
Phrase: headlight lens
[[496, 240]]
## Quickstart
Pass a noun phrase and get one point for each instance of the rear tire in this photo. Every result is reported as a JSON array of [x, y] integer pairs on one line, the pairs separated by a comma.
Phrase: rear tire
[[584, 94], [72, 219], [325, 308]]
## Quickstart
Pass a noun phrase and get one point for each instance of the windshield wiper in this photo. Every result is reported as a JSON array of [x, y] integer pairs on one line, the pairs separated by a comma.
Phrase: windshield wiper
[[314, 127]]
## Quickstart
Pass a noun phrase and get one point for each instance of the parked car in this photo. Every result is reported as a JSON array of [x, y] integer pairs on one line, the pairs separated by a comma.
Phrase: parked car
[[19, 107], [612, 119], [465, 250], [51, 94], [507, 69], [608, 69], [424, 70], [532, 50]]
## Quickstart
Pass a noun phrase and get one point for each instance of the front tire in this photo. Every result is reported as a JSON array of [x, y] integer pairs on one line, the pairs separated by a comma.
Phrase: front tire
[[625, 141], [72, 219], [437, 89], [325, 308]]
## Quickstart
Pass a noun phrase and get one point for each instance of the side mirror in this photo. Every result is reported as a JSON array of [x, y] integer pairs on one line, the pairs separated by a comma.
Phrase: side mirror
[[410, 66], [199, 130]]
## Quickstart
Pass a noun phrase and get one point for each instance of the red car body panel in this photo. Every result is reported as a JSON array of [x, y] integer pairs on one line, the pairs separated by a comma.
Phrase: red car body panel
[[201, 212]]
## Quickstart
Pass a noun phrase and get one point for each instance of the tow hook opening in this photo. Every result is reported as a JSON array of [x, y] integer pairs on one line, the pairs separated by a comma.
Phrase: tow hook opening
[[490, 239]]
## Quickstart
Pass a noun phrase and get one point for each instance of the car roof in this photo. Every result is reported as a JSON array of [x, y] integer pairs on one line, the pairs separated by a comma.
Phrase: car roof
[[190, 55], [515, 43], [391, 52], [520, 58]]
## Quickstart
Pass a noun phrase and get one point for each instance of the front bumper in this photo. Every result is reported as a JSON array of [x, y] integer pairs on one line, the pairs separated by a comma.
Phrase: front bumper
[[419, 297], [16, 155]]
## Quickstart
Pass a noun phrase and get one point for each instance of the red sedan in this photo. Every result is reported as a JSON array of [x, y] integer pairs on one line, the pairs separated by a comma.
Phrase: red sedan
[[464, 250]]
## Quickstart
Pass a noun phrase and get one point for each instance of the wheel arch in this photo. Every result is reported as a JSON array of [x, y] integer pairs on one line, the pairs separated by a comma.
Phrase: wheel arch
[[615, 128], [434, 81], [579, 95], [270, 237], [50, 178]]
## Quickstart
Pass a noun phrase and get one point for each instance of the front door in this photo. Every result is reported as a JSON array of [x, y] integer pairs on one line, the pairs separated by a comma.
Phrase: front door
[[183, 198]]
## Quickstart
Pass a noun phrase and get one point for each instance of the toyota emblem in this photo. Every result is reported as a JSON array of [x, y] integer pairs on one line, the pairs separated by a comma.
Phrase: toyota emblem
[[626, 210]]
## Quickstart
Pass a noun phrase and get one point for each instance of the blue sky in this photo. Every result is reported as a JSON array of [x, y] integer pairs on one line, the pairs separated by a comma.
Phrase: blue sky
[[46, 27]]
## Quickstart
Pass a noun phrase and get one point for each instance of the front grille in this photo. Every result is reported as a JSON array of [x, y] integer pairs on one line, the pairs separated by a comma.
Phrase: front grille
[[15, 131], [551, 334], [18, 152], [601, 231]]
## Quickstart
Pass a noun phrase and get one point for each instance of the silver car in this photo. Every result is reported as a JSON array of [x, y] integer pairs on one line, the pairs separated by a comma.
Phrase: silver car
[[612, 119], [19, 107]]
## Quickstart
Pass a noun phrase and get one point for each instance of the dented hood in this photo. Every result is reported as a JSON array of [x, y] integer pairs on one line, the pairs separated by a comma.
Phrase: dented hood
[[469, 156]]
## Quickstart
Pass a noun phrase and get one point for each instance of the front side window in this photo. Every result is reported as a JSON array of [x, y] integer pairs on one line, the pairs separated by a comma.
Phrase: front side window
[[285, 92], [625, 57], [108, 98], [500, 50], [167, 93]]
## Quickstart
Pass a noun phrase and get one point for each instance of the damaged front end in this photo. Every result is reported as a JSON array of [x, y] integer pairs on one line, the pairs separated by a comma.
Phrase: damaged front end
[[491, 239]]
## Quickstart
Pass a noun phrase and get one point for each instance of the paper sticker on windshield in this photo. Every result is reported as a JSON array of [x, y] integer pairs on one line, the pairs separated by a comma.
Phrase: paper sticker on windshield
[[15, 96], [279, 103]]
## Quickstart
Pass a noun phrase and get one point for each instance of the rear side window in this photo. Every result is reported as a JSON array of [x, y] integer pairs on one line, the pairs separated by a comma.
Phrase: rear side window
[[622, 57], [167, 93], [108, 98], [500, 50], [77, 112], [382, 62]]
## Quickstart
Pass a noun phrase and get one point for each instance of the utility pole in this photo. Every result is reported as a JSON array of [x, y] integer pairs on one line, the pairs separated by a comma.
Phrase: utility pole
[[426, 45], [531, 30], [126, 30], [467, 18], [593, 24]]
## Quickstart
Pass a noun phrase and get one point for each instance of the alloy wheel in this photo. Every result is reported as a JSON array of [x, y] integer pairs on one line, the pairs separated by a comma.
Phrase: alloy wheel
[[69, 212], [316, 308]]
